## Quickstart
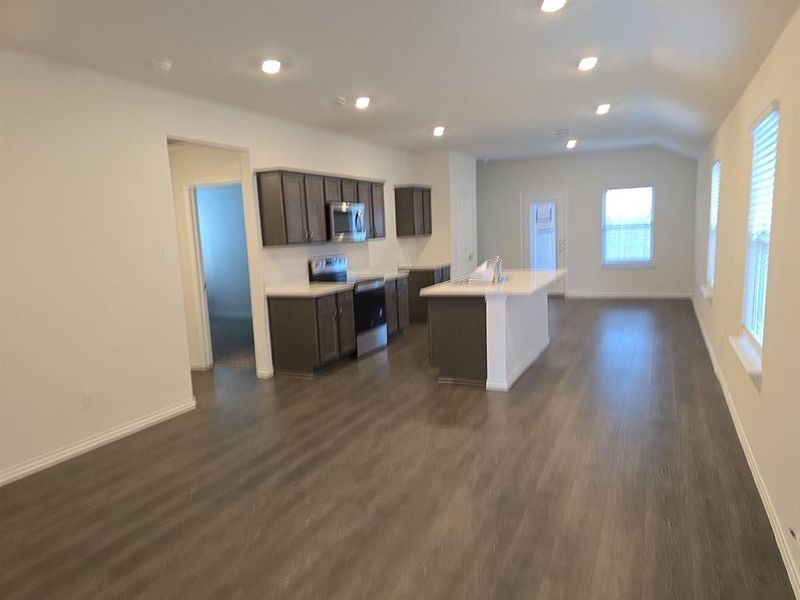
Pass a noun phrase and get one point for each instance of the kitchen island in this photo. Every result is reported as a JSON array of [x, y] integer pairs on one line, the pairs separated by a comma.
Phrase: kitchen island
[[488, 333]]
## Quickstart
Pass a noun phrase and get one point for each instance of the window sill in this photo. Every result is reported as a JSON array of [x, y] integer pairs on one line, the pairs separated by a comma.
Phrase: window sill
[[708, 292], [749, 355], [628, 265]]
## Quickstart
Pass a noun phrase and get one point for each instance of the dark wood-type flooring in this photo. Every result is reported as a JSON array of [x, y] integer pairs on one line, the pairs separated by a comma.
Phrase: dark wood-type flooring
[[611, 471], [232, 342]]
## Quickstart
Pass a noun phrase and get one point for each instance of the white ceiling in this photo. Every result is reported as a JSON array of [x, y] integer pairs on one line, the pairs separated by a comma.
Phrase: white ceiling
[[501, 76]]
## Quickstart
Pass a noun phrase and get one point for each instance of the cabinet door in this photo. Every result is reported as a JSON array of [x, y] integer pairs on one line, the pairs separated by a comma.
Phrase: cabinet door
[[378, 212], [391, 306], [315, 207], [347, 322], [270, 200], [404, 211], [327, 329], [348, 190], [333, 190], [426, 212], [294, 208], [419, 222], [365, 198], [402, 303], [446, 273], [437, 276]]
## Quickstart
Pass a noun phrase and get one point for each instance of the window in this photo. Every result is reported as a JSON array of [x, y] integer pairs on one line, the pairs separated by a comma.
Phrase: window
[[759, 222], [712, 225], [628, 226]]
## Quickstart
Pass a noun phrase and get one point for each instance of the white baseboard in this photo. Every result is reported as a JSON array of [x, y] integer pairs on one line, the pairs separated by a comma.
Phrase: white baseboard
[[783, 543], [200, 367], [70, 451], [630, 295], [265, 373]]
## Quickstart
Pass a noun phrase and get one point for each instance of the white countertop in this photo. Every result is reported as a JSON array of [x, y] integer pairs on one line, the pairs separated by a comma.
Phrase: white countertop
[[377, 274], [519, 282], [424, 267], [304, 289]]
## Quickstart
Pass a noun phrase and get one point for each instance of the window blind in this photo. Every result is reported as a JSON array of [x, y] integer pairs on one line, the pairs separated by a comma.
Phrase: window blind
[[759, 222], [712, 224], [628, 226]]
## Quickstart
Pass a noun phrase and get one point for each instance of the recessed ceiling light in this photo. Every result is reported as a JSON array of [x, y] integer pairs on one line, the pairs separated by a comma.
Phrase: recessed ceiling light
[[603, 109], [271, 66], [587, 63], [571, 144], [552, 5], [438, 131], [362, 102]]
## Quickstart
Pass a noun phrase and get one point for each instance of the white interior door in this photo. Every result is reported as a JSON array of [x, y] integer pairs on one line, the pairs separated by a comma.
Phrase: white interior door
[[466, 234], [544, 234]]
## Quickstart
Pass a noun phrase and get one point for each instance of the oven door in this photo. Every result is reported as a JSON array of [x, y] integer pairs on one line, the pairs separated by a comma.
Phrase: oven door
[[370, 305], [347, 222]]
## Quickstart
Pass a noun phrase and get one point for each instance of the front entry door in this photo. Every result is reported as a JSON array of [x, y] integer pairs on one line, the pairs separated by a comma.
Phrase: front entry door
[[544, 235]]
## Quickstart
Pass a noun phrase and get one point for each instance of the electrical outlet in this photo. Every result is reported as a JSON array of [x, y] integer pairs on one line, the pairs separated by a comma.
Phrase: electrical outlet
[[87, 398], [169, 256]]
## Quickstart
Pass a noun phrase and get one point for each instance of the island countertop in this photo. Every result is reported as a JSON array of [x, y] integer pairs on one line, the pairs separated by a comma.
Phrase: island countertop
[[518, 282], [304, 289]]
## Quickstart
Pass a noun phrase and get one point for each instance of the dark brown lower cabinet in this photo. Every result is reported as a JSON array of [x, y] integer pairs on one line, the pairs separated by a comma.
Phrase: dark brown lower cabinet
[[396, 305], [310, 333], [402, 303], [418, 279], [390, 288], [327, 329], [347, 323]]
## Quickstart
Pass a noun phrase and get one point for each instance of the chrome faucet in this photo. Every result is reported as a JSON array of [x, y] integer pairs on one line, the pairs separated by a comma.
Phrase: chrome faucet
[[497, 269]]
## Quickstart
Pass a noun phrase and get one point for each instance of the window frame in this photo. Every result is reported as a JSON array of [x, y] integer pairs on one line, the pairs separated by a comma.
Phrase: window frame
[[629, 264], [708, 285], [746, 334]]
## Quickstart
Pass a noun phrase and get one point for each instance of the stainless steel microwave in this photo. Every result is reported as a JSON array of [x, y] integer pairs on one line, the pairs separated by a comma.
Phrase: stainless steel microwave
[[347, 222]]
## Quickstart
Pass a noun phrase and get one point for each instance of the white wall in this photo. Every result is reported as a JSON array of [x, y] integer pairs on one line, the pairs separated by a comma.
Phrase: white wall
[[583, 178], [768, 421], [463, 179], [91, 288]]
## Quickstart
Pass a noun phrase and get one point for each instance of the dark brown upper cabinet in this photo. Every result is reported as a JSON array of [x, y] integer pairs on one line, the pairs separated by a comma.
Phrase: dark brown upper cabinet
[[378, 211], [292, 208], [283, 208], [364, 191], [315, 209], [370, 194], [333, 190], [293, 205], [348, 190], [413, 210]]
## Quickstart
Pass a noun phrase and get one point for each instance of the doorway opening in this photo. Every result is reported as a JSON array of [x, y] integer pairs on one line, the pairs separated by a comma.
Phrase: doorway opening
[[224, 271], [219, 246], [544, 235]]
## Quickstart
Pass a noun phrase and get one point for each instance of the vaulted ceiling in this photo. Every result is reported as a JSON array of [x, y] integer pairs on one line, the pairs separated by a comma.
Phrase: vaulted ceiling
[[501, 76]]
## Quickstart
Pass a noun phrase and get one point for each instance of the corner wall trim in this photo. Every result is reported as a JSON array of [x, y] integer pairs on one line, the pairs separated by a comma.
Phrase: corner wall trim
[[783, 544], [49, 459]]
